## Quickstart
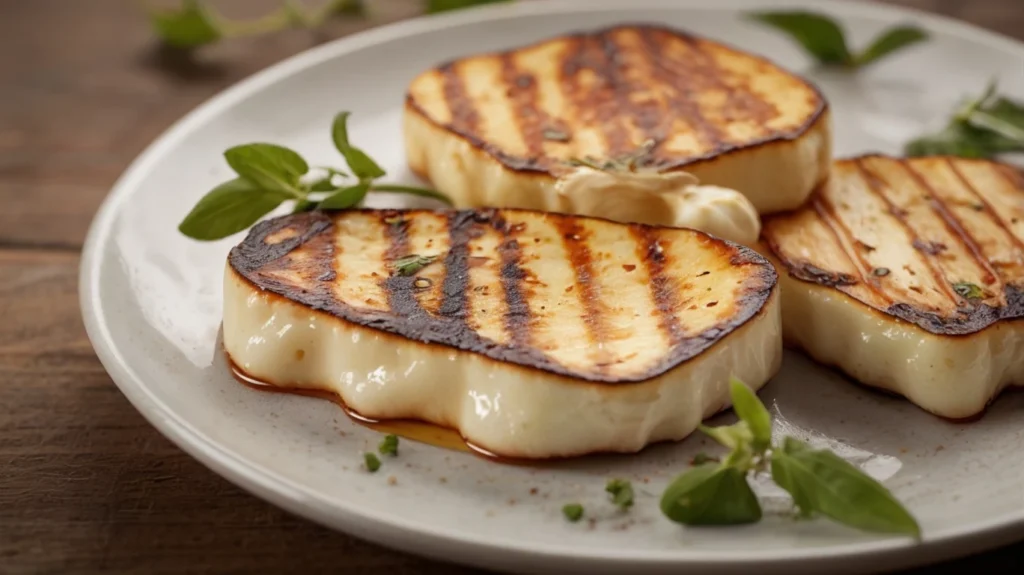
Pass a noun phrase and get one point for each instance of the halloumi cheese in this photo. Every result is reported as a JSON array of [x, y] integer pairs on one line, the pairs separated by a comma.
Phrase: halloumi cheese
[[534, 335], [907, 274], [504, 129]]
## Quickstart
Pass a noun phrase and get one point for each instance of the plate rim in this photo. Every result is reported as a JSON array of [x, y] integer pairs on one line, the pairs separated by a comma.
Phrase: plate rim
[[390, 529]]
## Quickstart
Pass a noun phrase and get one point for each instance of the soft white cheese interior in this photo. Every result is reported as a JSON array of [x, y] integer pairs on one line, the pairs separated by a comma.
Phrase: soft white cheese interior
[[952, 376], [506, 409]]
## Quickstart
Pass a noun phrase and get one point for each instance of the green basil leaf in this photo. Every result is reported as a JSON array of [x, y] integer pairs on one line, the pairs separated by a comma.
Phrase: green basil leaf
[[269, 166], [304, 206], [434, 6], [228, 209], [323, 185], [890, 41], [1003, 116], [964, 140], [818, 34], [413, 191], [711, 495], [822, 482], [187, 27], [346, 197], [750, 410], [361, 165]]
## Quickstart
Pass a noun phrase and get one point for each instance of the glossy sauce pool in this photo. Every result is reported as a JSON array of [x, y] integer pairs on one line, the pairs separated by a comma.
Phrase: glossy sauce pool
[[406, 428]]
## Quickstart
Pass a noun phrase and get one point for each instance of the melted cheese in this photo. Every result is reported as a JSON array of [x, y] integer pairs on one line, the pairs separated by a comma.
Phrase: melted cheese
[[508, 410]]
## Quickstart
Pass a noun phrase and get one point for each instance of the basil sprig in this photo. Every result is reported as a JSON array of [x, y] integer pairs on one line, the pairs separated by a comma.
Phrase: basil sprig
[[269, 175], [819, 481], [824, 39], [982, 127]]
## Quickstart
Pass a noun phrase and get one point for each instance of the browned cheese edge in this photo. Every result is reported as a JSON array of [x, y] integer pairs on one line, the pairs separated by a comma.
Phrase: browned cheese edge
[[449, 329]]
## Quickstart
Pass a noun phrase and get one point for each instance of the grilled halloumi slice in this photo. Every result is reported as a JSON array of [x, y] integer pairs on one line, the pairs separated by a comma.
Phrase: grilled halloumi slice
[[503, 130], [907, 275], [533, 335]]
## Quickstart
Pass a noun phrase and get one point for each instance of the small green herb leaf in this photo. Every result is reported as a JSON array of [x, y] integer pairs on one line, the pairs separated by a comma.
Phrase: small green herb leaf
[[750, 409], [412, 191], [1001, 116], [967, 290], [410, 264], [891, 41], [573, 512], [389, 445], [434, 6], [304, 206], [324, 184], [964, 140], [371, 461], [732, 436], [228, 209], [817, 34], [702, 458], [269, 166], [822, 482], [711, 495], [361, 165], [346, 197], [621, 492], [187, 27]]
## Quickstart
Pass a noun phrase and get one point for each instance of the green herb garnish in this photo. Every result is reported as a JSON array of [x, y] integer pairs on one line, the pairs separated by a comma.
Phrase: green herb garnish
[[389, 445], [194, 23], [434, 6], [819, 481], [621, 492], [573, 512], [983, 127], [371, 461], [410, 264], [702, 458], [967, 290], [630, 162], [269, 175], [824, 39]]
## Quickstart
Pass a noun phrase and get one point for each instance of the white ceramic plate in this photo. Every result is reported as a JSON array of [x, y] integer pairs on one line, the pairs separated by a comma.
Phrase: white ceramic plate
[[151, 302]]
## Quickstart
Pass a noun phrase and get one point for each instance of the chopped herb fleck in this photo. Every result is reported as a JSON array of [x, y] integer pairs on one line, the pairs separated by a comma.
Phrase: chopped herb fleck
[[573, 512], [702, 458], [410, 264], [880, 272], [621, 492], [389, 445], [555, 135], [968, 290], [371, 461]]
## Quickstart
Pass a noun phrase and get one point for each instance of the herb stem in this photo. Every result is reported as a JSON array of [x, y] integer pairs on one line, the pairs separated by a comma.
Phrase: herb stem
[[412, 191]]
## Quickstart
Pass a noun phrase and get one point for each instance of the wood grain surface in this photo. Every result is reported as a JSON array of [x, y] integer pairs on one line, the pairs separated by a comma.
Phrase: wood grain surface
[[86, 485]]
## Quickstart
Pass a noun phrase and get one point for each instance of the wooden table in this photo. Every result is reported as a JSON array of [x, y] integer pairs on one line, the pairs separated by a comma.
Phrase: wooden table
[[86, 485]]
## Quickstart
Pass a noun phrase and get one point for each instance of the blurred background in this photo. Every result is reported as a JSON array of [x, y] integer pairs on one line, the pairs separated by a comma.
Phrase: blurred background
[[86, 485]]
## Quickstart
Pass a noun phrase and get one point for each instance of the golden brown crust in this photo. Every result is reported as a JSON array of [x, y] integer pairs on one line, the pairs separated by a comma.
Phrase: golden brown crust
[[624, 106], [955, 221], [303, 245]]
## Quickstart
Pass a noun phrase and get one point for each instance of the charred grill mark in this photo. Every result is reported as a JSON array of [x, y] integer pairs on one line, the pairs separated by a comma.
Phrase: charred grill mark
[[623, 108], [454, 287], [522, 95], [992, 214], [666, 300], [574, 239], [956, 229], [876, 185], [742, 103], [826, 213], [400, 289], [517, 310], [596, 106], [464, 115], [681, 79]]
